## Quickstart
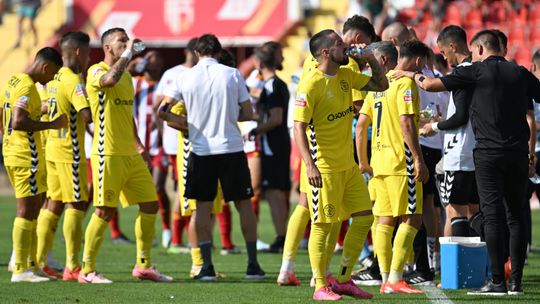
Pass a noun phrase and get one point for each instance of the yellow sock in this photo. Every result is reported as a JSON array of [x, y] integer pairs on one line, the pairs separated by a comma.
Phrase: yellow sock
[[331, 241], [73, 235], [32, 256], [352, 245], [317, 252], [22, 234], [93, 239], [47, 222], [144, 234], [295, 231], [374, 233], [402, 247], [383, 246], [196, 257]]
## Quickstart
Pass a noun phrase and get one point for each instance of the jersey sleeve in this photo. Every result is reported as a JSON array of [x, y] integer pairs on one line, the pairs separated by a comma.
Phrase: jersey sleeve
[[22, 98], [461, 78], [367, 107], [304, 104], [78, 96], [94, 75], [179, 109], [406, 97], [359, 81]]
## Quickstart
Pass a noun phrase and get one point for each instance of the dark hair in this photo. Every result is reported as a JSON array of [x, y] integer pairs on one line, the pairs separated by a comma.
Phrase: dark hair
[[266, 55], [73, 40], [109, 32], [536, 56], [319, 41], [227, 58], [274, 46], [361, 24], [488, 39], [413, 48], [387, 49], [191, 44], [48, 54], [452, 33], [208, 45], [439, 58], [502, 37]]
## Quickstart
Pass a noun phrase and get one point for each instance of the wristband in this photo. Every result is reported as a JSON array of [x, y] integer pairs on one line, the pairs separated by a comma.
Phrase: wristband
[[126, 54], [435, 127]]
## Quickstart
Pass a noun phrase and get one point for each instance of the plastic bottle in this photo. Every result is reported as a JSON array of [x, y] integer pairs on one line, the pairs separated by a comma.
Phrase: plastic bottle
[[139, 46], [356, 51], [429, 111]]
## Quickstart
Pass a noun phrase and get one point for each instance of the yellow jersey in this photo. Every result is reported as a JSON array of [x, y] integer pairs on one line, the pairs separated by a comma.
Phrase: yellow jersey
[[66, 95], [112, 112], [385, 109], [21, 148], [42, 91], [326, 104], [311, 63]]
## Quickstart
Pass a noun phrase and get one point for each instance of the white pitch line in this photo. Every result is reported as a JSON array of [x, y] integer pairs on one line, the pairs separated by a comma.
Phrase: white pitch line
[[436, 295]]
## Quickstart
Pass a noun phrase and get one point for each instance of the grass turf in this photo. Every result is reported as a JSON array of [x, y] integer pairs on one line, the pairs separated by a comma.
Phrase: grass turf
[[116, 261]]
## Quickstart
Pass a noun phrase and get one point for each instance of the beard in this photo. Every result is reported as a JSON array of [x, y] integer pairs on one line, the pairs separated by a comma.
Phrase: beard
[[279, 67], [344, 61]]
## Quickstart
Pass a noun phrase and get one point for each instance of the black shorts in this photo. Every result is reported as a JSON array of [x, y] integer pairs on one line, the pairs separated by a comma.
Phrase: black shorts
[[459, 188], [232, 171], [276, 172], [431, 158]]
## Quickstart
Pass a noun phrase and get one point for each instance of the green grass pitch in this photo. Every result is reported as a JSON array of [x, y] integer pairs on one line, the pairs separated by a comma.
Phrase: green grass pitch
[[116, 261]]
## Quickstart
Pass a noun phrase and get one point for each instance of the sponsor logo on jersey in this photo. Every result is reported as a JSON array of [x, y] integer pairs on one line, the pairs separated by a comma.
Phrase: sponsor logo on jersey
[[300, 100], [344, 85], [22, 102], [80, 90], [338, 115], [123, 102], [408, 96]]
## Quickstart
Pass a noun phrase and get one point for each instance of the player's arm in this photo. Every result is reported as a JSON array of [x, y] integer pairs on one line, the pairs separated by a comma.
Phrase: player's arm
[[361, 143], [23, 122], [111, 78], [246, 111], [300, 137], [378, 81], [274, 120], [86, 115], [410, 136], [178, 122]]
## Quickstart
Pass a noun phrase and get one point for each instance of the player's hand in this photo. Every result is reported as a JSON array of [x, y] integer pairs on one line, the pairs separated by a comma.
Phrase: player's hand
[[60, 122], [427, 131], [366, 168], [400, 74], [421, 172], [314, 176], [130, 43], [532, 170]]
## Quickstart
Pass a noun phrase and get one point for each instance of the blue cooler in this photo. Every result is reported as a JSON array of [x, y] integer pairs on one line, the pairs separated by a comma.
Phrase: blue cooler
[[463, 262]]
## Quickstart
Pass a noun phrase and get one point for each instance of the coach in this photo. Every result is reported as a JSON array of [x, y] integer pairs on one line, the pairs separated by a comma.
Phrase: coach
[[501, 93]]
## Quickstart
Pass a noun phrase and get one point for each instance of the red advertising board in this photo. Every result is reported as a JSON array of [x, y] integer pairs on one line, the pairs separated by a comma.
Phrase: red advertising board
[[174, 22]]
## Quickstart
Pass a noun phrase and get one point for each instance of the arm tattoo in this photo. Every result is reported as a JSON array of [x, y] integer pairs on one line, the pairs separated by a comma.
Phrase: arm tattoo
[[378, 81], [115, 72]]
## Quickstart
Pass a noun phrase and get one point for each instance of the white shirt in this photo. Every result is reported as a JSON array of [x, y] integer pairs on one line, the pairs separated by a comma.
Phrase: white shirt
[[458, 143], [441, 103], [212, 93], [170, 135]]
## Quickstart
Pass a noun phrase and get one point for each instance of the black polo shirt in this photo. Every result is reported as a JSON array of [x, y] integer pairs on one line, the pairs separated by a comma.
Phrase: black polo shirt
[[501, 94]]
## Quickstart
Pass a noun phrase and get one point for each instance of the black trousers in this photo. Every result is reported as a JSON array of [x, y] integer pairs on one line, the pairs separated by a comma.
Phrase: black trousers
[[501, 177]]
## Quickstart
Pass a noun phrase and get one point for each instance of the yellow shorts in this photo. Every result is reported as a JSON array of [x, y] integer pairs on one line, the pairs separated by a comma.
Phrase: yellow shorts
[[395, 197], [187, 209], [66, 182], [343, 193], [28, 181], [124, 177], [372, 189]]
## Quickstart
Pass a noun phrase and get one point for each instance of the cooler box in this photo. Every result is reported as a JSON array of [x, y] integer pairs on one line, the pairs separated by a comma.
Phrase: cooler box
[[463, 262]]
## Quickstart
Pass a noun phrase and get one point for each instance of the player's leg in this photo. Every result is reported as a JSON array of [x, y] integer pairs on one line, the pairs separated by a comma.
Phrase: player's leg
[[159, 174], [224, 219], [47, 223]]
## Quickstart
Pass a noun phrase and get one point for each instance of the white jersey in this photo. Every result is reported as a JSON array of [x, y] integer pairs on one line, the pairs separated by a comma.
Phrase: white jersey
[[458, 143], [143, 112], [170, 135], [254, 81], [440, 100]]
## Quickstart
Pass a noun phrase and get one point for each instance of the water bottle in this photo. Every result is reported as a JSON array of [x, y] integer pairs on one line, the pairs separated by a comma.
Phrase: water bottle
[[358, 52], [429, 111], [139, 47], [367, 176], [141, 66]]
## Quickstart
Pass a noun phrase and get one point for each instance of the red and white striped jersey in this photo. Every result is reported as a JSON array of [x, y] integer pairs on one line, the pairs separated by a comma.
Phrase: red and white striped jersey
[[143, 112]]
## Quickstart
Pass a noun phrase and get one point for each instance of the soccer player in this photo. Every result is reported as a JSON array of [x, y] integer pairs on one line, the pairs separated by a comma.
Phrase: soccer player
[[118, 159], [275, 147], [397, 165], [356, 29], [66, 162], [24, 155], [337, 191]]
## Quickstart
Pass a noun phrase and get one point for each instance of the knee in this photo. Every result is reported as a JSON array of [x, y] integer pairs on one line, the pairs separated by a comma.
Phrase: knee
[[150, 207], [105, 213]]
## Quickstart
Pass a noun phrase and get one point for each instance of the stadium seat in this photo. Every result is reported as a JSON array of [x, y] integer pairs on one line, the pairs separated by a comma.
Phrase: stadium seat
[[453, 14], [523, 56], [473, 19]]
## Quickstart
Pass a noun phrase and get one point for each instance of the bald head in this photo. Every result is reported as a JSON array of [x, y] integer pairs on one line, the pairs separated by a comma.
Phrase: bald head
[[397, 33]]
